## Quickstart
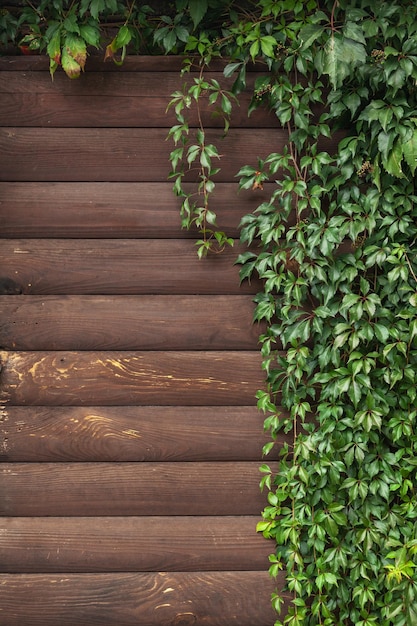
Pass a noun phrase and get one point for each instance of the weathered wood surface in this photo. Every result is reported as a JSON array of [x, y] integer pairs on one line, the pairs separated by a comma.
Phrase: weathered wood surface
[[117, 266], [132, 63], [63, 378], [130, 439], [128, 323], [135, 434], [143, 85], [138, 599], [113, 210], [119, 154], [54, 110], [102, 489], [33, 99], [131, 544]]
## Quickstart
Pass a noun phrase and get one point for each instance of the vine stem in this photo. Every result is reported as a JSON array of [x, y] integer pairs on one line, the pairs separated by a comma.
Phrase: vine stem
[[202, 169], [410, 266], [332, 26]]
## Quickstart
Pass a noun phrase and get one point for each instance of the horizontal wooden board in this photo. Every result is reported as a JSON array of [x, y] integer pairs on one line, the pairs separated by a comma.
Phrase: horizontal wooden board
[[92, 489], [115, 111], [117, 266], [146, 85], [132, 63], [123, 434], [114, 210], [128, 323], [131, 544], [62, 378], [111, 99], [138, 599], [120, 154]]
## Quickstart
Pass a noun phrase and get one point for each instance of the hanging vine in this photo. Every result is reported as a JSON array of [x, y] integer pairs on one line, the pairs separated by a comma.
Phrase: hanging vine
[[336, 252]]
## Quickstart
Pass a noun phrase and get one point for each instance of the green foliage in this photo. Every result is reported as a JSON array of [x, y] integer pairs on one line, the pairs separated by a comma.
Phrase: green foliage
[[193, 152], [335, 248], [66, 29]]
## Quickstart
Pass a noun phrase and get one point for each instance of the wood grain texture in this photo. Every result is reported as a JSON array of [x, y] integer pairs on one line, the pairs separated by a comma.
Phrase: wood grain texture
[[130, 442], [119, 154], [85, 110], [128, 323], [135, 434], [117, 267], [109, 99], [132, 544], [96, 489], [132, 63], [62, 378], [146, 85], [113, 210], [138, 599]]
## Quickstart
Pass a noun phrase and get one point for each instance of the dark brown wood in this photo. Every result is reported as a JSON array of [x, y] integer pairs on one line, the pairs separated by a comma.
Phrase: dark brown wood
[[128, 323], [132, 63], [119, 154], [62, 378], [132, 544], [124, 489], [103, 99], [109, 266], [146, 85], [113, 210], [40, 63], [52, 110], [123, 434], [138, 599], [129, 435]]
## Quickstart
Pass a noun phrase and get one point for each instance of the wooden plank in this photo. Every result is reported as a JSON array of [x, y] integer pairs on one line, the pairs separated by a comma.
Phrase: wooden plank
[[129, 100], [135, 434], [56, 111], [114, 210], [117, 267], [138, 599], [63, 378], [120, 489], [128, 323], [146, 84], [131, 544], [132, 63], [119, 154]]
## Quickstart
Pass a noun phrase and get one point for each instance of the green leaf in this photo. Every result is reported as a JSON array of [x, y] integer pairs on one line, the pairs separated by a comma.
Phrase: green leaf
[[309, 34], [198, 9], [71, 25], [123, 37], [267, 46], [231, 68], [96, 7], [342, 55], [354, 31], [393, 163], [410, 152], [54, 49], [90, 34]]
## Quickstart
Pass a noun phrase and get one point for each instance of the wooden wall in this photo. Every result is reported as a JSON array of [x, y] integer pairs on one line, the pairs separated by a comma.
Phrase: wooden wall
[[130, 439]]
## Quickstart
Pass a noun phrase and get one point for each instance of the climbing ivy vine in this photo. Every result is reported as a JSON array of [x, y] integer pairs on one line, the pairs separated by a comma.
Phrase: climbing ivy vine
[[335, 247]]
